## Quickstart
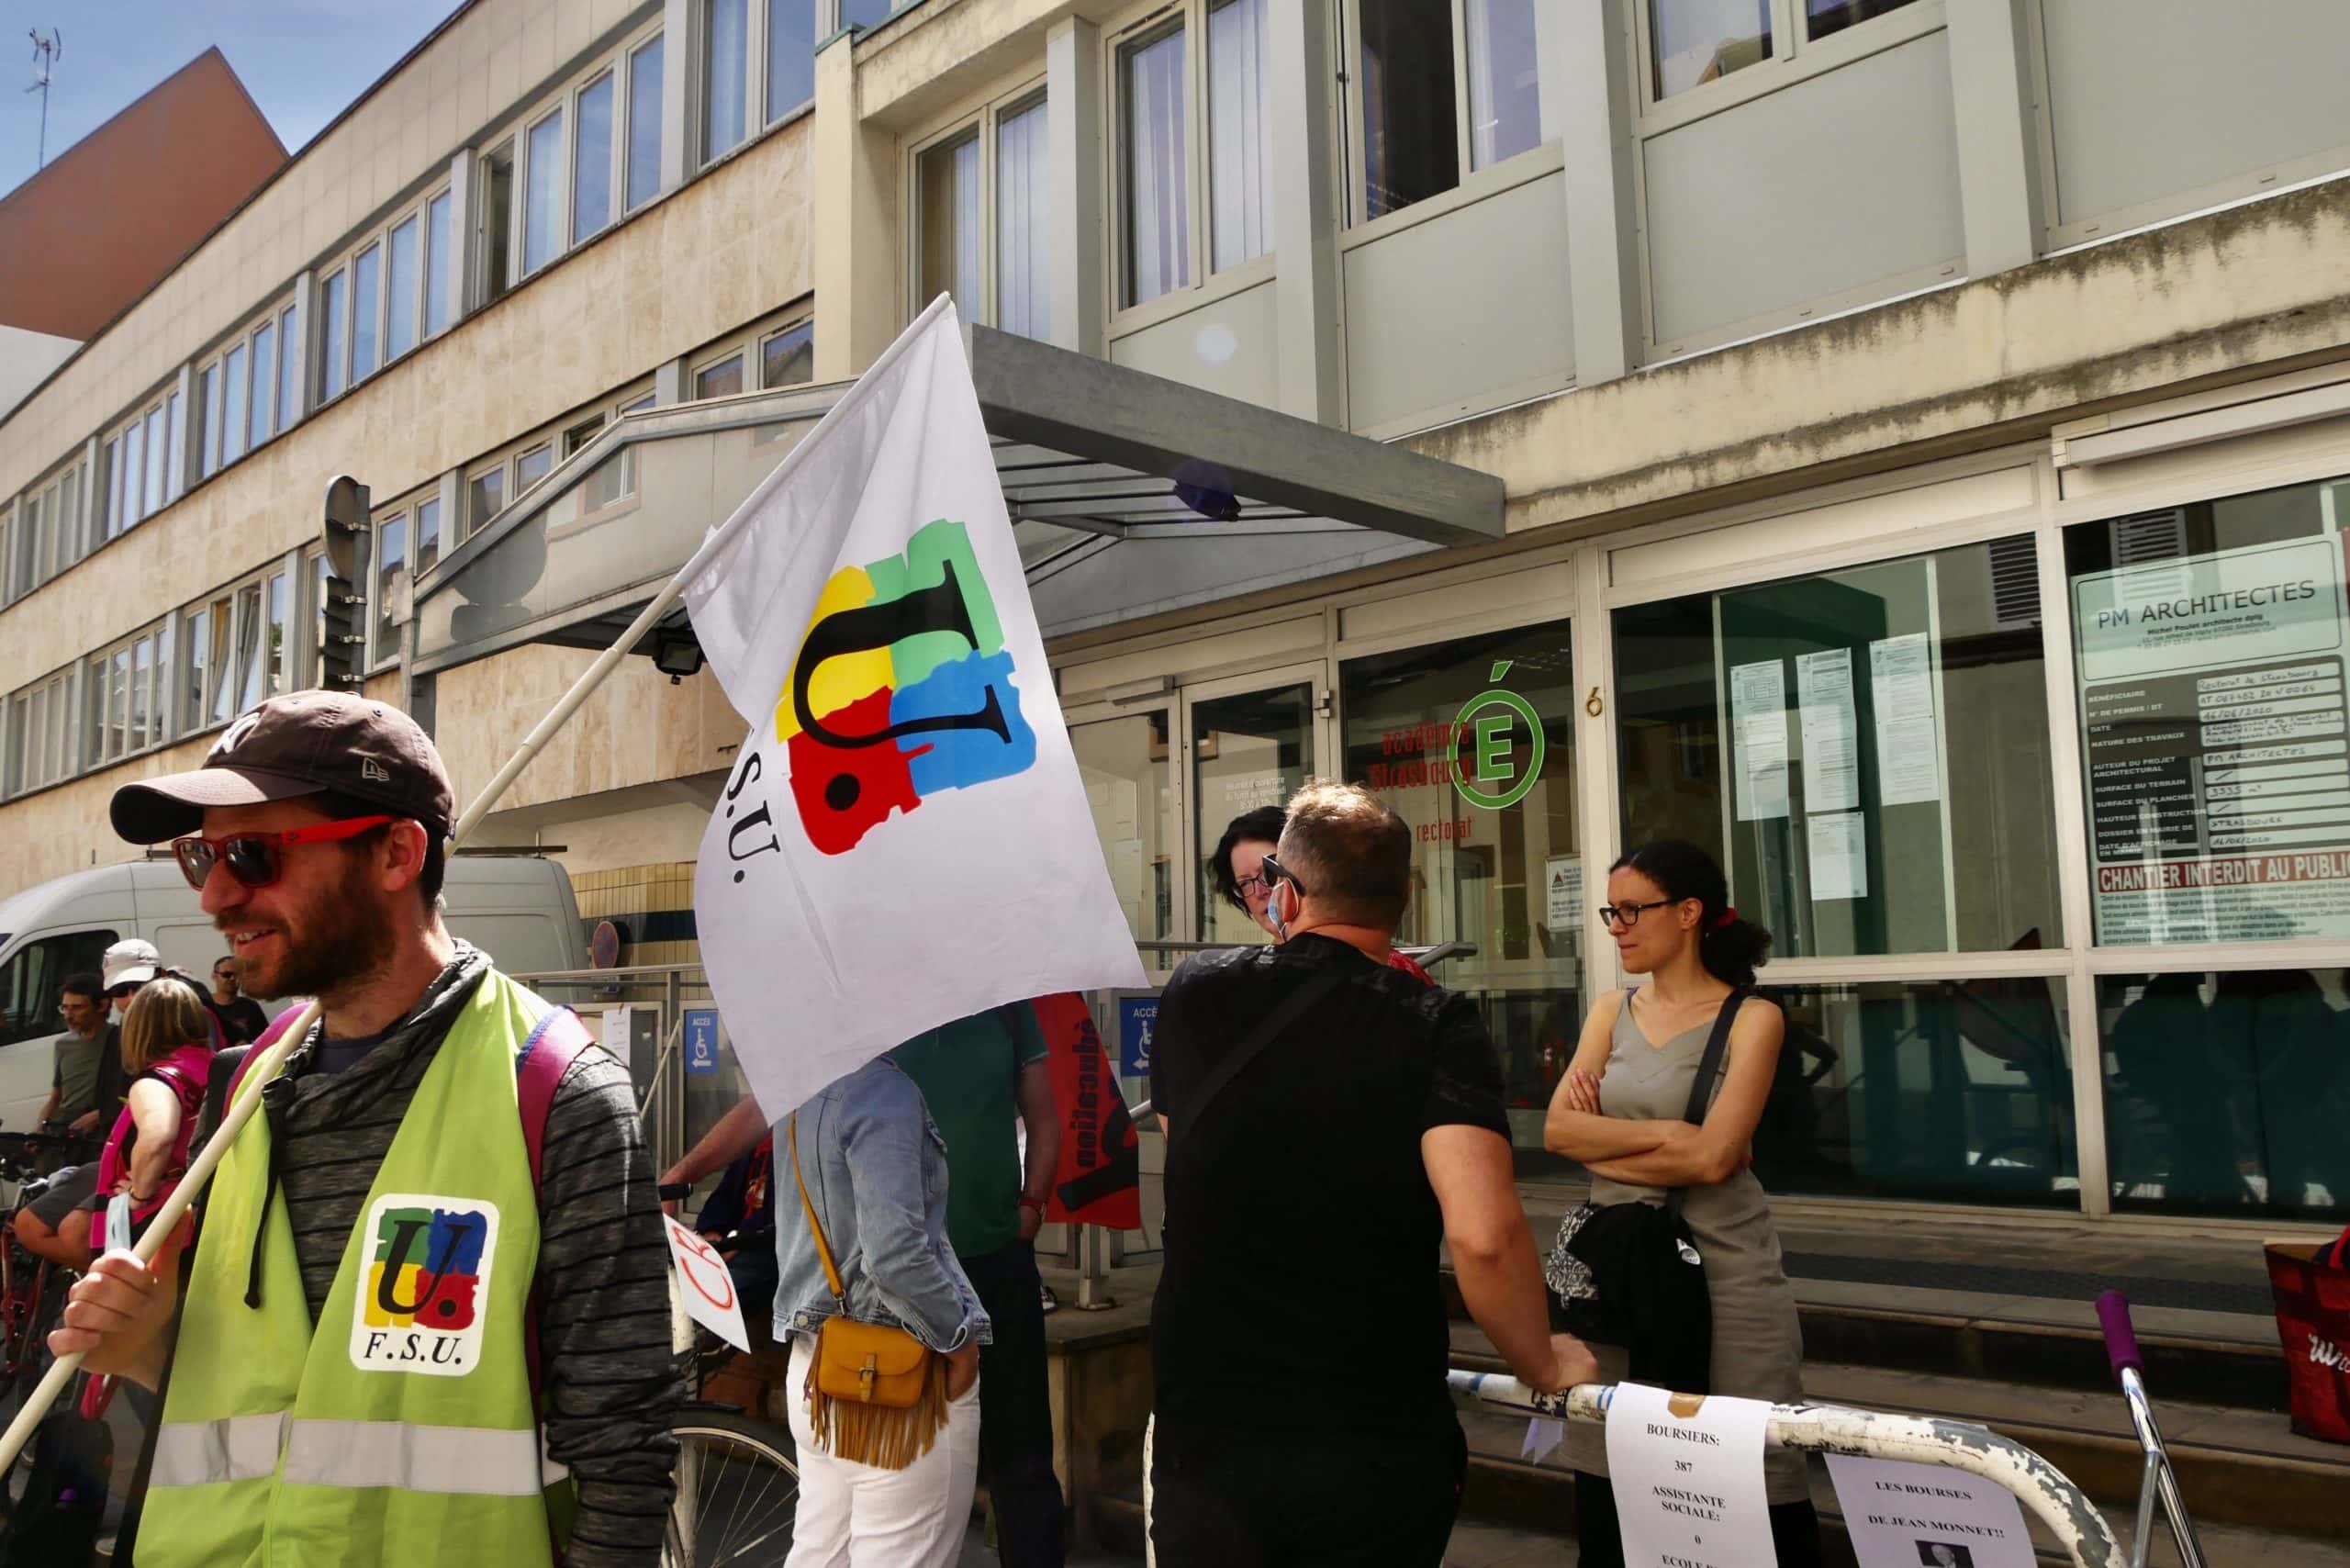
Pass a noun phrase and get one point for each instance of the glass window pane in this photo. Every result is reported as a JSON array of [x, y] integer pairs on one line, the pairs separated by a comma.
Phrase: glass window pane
[[1240, 113], [233, 631], [726, 33], [158, 459], [789, 358], [367, 309], [289, 368], [1157, 217], [1504, 96], [1959, 1090], [542, 202], [174, 442], [591, 201], [232, 404], [1249, 750], [118, 730], [950, 225], [721, 380], [791, 55], [391, 582], [1471, 743], [1410, 146], [2213, 645], [497, 221], [487, 494], [113, 504], [1866, 751], [1024, 290], [142, 680], [636, 404], [867, 13], [428, 535], [532, 466], [1823, 18], [317, 569], [400, 300], [199, 668], [2223, 1092], [69, 530], [331, 323], [1700, 40], [436, 263], [207, 438], [1127, 767], [581, 434], [264, 398], [134, 473], [644, 124], [276, 648]]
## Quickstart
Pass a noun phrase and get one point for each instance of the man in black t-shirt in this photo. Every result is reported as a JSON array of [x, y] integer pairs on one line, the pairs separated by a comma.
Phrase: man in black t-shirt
[[241, 1018], [1298, 1339]]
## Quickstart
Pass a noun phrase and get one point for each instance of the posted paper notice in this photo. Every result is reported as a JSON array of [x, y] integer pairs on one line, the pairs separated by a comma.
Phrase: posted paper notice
[[1758, 720], [1926, 1516], [1837, 844], [1831, 749], [1565, 875], [1687, 1475], [1908, 746]]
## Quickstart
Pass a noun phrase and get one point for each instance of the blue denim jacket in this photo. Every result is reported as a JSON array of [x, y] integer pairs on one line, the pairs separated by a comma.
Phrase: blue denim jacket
[[876, 1169]]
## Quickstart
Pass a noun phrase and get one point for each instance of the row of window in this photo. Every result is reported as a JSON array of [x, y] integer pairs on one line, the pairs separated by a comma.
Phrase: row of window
[[1691, 43]]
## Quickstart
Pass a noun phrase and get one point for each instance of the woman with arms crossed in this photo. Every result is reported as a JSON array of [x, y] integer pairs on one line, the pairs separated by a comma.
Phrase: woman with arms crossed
[[1617, 1112]]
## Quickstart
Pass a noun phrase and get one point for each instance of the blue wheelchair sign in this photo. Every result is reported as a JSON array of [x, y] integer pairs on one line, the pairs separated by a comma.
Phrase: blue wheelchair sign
[[1137, 1020], [702, 1039]]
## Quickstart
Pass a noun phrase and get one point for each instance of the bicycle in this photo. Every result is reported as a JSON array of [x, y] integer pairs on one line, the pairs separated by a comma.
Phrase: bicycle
[[2160, 1483], [738, 1483], [32, 1290]]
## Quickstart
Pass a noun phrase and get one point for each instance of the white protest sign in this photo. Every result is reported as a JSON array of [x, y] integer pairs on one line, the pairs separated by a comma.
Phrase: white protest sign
[[1925, 1516], [1687, 1475], [706, 1286]]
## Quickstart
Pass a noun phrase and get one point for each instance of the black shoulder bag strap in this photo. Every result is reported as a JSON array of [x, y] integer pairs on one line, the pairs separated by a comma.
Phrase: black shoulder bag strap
[[1710, 1067], [1248, 1050]]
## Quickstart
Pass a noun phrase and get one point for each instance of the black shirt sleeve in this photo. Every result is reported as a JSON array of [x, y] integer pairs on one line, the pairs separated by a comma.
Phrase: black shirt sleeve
[[1465, 1089]]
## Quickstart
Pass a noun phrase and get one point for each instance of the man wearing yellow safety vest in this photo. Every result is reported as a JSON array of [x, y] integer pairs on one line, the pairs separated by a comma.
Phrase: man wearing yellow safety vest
[[428, 1319]]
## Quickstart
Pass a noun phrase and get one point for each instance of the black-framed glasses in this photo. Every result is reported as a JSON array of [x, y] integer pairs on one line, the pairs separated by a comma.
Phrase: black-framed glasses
[[1274, 871], [224, 972], [1629, 914], [1244, 886]]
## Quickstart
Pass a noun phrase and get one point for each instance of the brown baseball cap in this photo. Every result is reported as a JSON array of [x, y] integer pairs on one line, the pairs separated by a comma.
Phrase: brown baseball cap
[[292, 745]]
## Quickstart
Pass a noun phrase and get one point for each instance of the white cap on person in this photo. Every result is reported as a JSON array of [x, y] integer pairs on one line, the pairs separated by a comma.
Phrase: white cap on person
[[130, 962]]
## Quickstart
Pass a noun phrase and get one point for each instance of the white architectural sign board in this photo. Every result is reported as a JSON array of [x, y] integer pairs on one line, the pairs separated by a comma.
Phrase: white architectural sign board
[[1926, 1516], [1687, 1475], [2216, 746]]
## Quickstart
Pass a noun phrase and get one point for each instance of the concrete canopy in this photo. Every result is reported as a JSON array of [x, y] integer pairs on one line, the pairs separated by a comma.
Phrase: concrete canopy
[[1129, 495]]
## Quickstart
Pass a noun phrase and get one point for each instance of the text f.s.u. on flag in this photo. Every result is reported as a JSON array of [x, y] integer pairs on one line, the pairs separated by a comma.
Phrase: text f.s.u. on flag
[[904, 838]]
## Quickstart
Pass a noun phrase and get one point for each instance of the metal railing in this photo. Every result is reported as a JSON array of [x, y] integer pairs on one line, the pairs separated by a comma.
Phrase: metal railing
[[2045, 1491]]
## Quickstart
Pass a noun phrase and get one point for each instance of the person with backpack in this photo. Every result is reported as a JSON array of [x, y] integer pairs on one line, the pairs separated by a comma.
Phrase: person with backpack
[[1660, 1104], [168, 1037], [428, 1319]]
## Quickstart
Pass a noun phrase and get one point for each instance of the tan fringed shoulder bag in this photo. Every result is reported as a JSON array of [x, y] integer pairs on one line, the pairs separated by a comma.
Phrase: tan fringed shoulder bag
[[876, 1394]]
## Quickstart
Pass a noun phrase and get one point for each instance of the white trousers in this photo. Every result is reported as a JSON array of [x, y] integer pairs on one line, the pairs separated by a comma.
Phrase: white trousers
[[854, 1516]]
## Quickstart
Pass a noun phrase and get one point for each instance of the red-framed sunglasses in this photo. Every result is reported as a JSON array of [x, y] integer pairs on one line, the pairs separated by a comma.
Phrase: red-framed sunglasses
[[252, 857]]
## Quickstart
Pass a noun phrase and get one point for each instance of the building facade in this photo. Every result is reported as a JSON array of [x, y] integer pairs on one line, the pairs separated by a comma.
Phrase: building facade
[[1943, 532]]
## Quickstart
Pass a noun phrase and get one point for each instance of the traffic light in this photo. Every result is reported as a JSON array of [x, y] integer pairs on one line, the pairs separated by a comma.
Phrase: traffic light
[[342, 636]]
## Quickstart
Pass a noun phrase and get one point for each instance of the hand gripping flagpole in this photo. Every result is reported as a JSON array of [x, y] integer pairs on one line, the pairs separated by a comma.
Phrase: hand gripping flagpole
[[208, 1159]]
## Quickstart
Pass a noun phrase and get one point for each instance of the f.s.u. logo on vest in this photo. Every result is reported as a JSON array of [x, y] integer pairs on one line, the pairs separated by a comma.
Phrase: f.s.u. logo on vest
[[424, 1294]]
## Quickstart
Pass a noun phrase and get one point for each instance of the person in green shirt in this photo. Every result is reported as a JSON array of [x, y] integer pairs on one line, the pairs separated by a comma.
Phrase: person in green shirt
[[985, 1077]]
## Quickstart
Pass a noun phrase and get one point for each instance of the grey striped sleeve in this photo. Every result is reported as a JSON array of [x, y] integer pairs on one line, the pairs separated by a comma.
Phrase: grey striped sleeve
[[613, 1383]]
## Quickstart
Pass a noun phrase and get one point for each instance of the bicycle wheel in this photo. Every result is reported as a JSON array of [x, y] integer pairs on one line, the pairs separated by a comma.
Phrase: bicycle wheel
[[738, 1488]]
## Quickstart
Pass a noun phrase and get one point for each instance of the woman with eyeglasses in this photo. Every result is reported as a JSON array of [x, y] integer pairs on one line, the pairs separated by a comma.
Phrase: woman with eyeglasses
[[1618, 1110], [1238, 869]]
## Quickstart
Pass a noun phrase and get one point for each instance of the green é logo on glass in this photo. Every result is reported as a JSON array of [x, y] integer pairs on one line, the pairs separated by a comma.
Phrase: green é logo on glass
[[1488, 777]]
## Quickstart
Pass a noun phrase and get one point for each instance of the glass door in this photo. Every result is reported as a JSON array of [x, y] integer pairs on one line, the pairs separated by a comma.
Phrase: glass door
[[1126, 761], [1248, 743]]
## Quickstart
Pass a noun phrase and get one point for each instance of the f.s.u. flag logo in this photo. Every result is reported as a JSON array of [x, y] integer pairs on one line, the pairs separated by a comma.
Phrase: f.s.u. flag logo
[[902, 688], [904, 836], [426, 1284]]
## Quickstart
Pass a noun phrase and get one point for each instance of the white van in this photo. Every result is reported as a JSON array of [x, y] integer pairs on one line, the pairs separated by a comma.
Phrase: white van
[[518, 909]]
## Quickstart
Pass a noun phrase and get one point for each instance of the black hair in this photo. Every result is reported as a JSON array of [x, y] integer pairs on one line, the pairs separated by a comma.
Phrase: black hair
[[1731, 950], [87, 986], [340, 807], [1265, 825]]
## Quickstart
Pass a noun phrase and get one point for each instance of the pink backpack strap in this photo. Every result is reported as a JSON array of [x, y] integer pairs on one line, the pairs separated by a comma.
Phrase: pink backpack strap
[[277, 1025], [545, 1056]]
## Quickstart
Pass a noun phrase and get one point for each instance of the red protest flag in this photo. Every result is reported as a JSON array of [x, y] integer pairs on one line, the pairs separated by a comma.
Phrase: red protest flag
[[1099, 1179]]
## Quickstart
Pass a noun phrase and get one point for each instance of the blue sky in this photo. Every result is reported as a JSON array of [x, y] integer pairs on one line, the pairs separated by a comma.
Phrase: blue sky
[[303, 60]]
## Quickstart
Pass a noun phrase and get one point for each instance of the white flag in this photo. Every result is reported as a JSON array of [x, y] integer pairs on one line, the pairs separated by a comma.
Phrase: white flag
[[904, 838]]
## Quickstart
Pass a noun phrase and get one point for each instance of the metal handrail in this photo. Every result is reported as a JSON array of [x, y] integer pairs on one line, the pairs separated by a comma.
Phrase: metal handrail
[[2039, 1485]]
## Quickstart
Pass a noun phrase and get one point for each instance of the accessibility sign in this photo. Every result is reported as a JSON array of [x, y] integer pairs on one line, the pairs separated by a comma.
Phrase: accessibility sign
[[702, 1039]]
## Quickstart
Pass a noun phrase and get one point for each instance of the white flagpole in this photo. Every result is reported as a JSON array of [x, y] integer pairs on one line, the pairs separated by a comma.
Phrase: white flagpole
[[200, 1170]]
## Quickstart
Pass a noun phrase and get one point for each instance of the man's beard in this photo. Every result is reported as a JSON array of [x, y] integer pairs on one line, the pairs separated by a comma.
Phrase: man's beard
[[341, 936]]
